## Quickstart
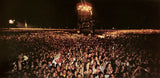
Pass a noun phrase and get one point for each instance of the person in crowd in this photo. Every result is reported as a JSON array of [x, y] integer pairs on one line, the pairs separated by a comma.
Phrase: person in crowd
[[68, 55]]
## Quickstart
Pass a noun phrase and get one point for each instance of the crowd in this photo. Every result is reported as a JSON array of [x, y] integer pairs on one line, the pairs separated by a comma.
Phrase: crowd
[[51, 54]]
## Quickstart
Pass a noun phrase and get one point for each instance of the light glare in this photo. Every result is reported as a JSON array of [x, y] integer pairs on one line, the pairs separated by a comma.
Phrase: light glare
[[11, 21]]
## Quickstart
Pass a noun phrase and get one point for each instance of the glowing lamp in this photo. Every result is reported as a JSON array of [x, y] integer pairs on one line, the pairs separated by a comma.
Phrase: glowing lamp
[[11, 21]]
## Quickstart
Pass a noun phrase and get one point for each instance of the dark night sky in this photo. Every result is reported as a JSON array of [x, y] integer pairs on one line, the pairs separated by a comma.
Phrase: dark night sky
[[108, 13]]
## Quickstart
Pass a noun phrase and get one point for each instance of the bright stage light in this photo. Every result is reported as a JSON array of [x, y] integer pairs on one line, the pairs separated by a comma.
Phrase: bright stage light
[[89, 8], [84, 8], [80, 6], [11, 21]]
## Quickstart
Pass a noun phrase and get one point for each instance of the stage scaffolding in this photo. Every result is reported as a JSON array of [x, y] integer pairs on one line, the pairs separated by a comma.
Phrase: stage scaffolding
[[85, 18]]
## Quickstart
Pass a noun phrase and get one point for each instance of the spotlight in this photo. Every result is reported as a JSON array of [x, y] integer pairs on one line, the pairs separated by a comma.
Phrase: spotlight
[[11, 21], [80, 6]]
